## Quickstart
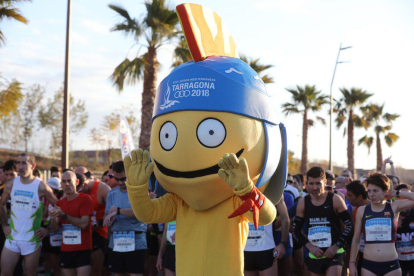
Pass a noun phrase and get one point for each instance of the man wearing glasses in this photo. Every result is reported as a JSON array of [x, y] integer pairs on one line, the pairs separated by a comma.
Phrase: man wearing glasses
[[98, 192], [72, 213], [128, 244], [112, 182]]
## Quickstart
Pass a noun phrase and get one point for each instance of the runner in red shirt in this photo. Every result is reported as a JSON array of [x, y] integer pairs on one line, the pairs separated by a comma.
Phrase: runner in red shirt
[[73, 214], [98, 192]]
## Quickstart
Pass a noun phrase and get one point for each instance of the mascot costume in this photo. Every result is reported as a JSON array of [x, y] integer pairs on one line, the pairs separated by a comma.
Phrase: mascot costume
[[217, 147]]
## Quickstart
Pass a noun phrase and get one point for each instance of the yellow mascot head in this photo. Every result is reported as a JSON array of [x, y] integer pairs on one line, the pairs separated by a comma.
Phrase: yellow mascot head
[[214, 105]]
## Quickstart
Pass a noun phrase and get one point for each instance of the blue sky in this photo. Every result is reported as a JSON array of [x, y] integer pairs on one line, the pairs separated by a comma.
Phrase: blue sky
[[300, 38]]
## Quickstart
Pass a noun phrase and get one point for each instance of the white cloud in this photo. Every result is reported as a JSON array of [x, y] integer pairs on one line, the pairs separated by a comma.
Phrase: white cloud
[[36, 31], [77, 38], [95, 26]]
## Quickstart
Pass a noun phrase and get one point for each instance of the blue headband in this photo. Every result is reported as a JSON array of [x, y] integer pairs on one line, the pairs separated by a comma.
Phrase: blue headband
[[220, 84]]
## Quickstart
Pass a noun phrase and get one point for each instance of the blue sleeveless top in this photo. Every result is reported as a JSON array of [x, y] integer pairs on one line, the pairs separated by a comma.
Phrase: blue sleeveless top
[[379, 227]]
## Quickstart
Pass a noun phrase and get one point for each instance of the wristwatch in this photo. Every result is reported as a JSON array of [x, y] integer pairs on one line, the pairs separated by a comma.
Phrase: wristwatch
[[398, 193], [285, 243], [64, 217], [118, 212], [339, 244]]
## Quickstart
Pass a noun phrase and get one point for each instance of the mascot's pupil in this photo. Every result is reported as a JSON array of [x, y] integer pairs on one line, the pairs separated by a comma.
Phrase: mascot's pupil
[[211, 132], [166, 135]]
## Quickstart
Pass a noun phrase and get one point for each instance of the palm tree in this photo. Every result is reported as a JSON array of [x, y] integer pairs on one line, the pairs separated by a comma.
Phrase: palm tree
[[304, 100], [375, 116], [8, 11], [156, 29], [181, 53], [10, 96], [259, 68], [345, 106]]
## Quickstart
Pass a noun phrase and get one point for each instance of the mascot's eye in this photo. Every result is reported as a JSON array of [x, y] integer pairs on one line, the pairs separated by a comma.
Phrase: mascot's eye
[[168, 136], [211, 133]]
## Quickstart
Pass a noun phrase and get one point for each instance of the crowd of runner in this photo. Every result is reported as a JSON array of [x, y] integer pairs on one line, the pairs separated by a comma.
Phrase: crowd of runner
[[76, 224]]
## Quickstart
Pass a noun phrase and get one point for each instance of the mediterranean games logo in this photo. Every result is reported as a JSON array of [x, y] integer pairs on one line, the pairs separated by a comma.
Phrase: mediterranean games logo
[[167, 102]]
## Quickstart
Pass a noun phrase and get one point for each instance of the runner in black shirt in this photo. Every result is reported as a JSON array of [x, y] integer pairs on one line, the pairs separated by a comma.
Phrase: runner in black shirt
[[322, 212]]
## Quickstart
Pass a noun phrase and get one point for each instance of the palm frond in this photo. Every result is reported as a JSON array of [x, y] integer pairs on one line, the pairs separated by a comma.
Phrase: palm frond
[[322, 120], [391, 138], [367, 141], [10, 98], [360, 122], [129, 26], [129, 72], [258, 67]]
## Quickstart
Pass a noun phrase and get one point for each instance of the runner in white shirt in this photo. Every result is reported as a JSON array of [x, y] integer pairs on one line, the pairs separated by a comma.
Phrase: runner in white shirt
[[261, 251], [23, 234]]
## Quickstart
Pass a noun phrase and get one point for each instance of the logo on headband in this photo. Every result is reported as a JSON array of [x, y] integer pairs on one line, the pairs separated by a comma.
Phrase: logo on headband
[[167, 102]]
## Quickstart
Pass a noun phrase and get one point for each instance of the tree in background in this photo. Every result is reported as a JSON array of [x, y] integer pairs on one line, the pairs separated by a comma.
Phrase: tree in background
[[345, 107], [304, 100], [258, 67], [157, 29], [29, 109], [10, 96], [11, 126], [181, 53], [7, 10], [97, 138], [107, 135], [382, 123], [50, 118], [293, 163]]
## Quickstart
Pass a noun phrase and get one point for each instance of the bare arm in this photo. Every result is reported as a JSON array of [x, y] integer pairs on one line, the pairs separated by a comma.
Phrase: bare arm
[[339, 204], [402, 205], [3, 202], [46, 191], [103, 190], [163, 241], [284, 218], [82, 222], [384, 164], [356, 240], [163, 245], [392, 168], [128, 212]]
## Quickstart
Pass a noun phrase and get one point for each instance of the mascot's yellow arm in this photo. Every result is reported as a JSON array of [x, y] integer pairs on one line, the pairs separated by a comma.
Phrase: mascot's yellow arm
[[207, 242]]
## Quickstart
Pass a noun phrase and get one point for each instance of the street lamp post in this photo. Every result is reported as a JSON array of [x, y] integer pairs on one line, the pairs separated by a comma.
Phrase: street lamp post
[[331, 113], [66, 97]]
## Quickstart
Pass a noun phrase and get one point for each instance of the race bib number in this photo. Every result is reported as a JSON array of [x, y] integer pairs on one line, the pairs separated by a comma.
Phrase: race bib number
[[256, 237], [378, 229], [320, 236], [56, 239], [124, 241], [405, 250], [22, 200], [71, 234]]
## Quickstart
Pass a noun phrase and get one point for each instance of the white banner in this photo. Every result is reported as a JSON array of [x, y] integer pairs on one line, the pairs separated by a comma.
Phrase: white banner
[[127, 144]]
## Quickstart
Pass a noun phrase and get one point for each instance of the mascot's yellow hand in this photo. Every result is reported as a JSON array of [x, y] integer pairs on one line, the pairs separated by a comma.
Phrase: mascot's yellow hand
[[235, 173], [138, 168]]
